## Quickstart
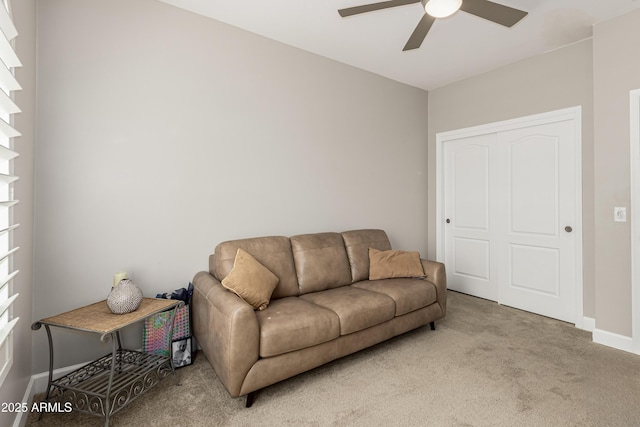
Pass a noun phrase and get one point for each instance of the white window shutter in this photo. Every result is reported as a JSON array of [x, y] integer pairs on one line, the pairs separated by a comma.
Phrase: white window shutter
[[8, 83]]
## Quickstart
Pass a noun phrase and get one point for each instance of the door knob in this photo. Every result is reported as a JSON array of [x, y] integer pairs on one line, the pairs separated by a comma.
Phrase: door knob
[[568, 229], [448, 221]]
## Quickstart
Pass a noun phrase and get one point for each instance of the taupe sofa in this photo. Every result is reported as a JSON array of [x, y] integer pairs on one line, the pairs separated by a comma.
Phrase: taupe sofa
[[324, 306]]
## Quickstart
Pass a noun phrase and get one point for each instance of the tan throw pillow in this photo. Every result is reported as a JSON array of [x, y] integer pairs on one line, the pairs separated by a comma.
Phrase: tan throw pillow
[[250, 280], [388, 264]]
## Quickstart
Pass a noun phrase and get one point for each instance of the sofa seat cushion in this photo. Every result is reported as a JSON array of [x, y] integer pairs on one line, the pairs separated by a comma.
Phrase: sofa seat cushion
[[357, 309], [290, 324], [409, 294]]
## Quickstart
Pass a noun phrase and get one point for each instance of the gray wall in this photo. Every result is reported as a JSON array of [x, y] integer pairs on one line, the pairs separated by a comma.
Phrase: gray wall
[[616, 73], [556, 80], [24, 15], [162, 133]]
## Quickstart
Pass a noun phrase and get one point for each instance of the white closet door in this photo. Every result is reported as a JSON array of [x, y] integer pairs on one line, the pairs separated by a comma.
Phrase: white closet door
[[469, 235], [509, 202], [537, 210]]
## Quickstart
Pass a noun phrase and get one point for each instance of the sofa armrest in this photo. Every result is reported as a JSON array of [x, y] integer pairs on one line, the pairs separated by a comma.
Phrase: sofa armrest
[[437, 274], [226, 328]]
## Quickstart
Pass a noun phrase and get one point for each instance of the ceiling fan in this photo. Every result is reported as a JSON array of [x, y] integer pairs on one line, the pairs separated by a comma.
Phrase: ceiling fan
[[498, 13]]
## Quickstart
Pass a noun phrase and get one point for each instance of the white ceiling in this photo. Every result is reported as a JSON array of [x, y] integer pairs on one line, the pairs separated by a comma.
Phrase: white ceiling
[[457, 47]]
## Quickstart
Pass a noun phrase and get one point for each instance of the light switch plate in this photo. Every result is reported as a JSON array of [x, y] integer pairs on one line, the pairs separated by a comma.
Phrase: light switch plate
[[619, 214]]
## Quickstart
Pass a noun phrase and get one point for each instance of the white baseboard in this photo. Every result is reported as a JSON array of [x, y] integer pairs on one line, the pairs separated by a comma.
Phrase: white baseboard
[[588, 324], [21, 417], [40, 380], [37, 385], [610, 339]]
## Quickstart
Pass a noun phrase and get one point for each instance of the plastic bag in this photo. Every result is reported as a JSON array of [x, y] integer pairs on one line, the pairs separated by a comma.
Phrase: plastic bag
[[183, 294]]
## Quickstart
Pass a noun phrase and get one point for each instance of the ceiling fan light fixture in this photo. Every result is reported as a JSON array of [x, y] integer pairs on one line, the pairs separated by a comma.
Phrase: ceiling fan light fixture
[[442, 8]]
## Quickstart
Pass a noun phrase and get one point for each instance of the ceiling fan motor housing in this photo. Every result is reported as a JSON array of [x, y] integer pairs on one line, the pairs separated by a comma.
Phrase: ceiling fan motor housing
[[442, 8]]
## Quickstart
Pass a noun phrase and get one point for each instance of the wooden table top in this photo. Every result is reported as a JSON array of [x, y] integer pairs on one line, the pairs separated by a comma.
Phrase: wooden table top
[[99, 319]]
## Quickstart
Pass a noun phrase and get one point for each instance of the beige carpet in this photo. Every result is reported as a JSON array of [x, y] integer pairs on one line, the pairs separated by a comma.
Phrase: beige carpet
[[485, 365]]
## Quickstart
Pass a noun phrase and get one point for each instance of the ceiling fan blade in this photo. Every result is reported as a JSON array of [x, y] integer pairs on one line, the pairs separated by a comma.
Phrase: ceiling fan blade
[[420, 32], [498, 13], [374, 6]]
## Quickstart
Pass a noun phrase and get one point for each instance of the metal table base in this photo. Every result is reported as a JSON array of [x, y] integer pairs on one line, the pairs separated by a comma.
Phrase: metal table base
[[108, 384]]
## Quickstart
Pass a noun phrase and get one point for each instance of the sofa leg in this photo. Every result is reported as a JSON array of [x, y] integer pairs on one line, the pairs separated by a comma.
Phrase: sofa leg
[[433, 326], [251, 397]]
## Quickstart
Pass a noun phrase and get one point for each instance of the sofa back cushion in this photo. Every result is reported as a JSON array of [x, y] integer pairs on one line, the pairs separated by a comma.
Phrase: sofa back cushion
[[321, 261], [357, 243], [272, 252]]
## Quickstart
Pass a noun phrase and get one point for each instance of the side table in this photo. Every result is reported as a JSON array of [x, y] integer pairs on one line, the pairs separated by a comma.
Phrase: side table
[[108, 384]]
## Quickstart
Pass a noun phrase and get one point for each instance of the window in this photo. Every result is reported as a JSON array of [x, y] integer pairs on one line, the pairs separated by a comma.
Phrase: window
[[8, 84]]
